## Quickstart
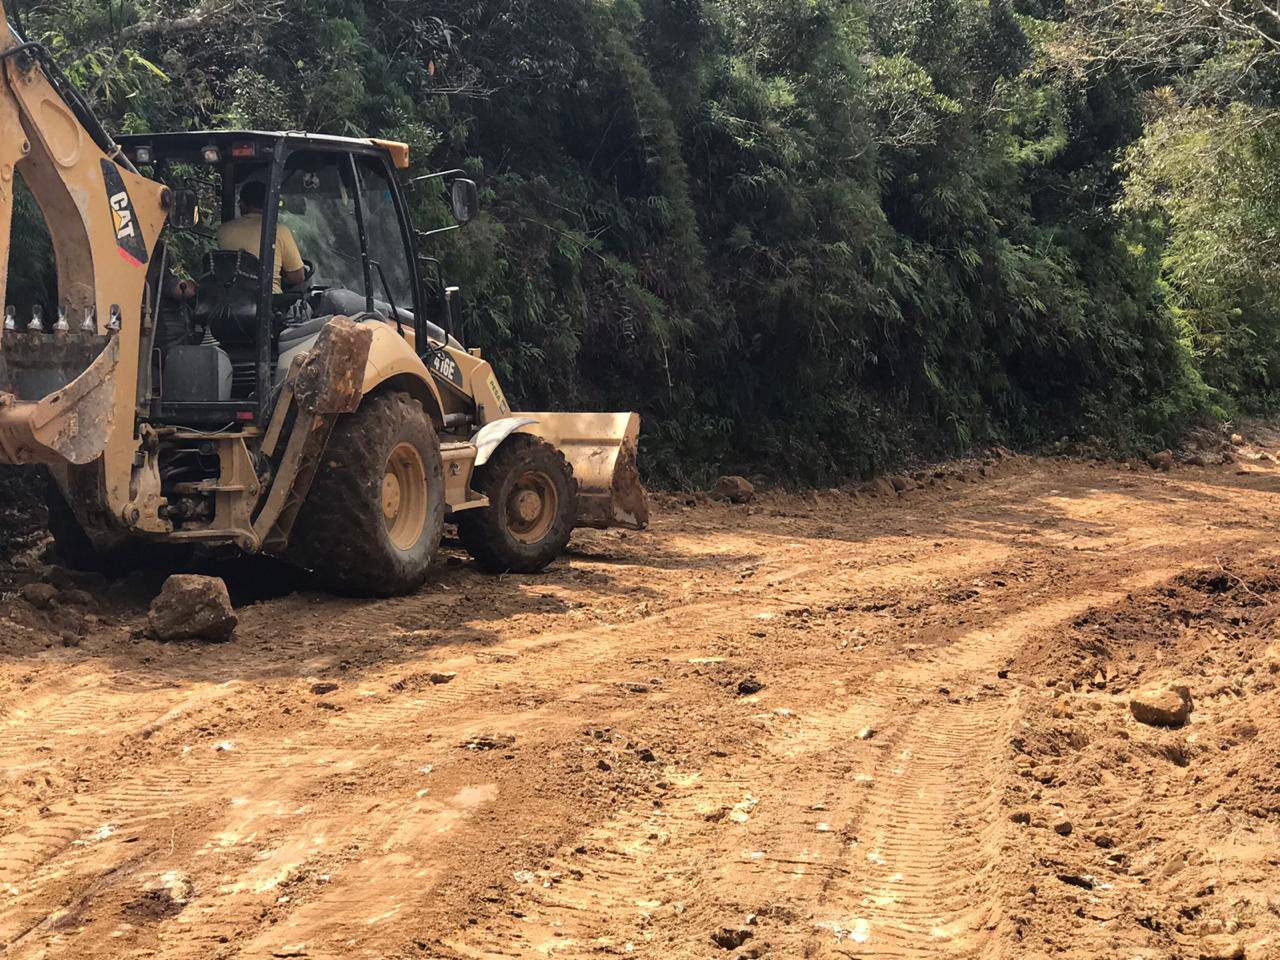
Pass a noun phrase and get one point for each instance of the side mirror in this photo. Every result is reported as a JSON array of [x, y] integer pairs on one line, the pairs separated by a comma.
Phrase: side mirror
[[466, 200], [184, 209]]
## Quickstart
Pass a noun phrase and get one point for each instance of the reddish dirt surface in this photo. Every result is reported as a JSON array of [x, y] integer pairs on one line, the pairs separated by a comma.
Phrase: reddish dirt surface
[[818, 726]]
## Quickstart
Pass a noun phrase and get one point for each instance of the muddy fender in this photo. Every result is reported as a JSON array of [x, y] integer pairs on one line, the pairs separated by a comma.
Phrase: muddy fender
[[492, 434]]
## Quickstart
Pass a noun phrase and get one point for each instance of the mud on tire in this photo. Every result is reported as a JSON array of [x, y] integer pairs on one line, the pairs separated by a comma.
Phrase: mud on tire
[[532, 510], [372, 522]]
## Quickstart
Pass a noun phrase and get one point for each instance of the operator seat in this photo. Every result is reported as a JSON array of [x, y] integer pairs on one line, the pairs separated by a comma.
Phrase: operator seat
[[227, 311], [227, 301]]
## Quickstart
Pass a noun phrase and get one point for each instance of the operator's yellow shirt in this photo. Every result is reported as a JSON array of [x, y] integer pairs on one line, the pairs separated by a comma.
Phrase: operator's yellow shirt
[[245, 233]]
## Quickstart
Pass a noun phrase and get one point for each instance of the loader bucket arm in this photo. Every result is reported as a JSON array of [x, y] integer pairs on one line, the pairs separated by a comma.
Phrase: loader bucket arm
[[602, 449]]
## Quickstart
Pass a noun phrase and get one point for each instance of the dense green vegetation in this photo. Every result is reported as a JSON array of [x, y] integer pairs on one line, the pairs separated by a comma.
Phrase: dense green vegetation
[[803, 237]]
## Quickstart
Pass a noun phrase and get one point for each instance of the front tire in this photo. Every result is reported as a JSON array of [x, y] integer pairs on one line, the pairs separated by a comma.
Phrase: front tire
[[532, 510], [372, 522]]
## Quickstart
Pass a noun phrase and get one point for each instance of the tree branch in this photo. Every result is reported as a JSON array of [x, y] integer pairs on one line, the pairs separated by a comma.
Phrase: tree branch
[[203, 16]]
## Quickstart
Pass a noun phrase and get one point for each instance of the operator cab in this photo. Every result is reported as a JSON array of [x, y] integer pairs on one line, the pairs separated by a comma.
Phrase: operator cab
[[228, 328]]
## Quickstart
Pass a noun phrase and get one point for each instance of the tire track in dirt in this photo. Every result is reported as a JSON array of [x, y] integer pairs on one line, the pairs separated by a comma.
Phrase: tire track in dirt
[[790, 853], [129, 808], [574, 904], [334, 793], [923, 864], [52, 857], [925, 844]]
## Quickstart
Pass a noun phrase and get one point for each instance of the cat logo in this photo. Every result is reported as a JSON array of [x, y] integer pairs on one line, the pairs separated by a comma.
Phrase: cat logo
[[123, 217]]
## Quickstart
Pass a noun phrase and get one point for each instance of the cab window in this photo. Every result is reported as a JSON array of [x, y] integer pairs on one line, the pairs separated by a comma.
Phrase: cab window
[[386, 239], [317, 203]]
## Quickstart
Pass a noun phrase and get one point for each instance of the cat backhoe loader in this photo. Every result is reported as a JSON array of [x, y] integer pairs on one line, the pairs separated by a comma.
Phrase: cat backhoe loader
[[180, 392]]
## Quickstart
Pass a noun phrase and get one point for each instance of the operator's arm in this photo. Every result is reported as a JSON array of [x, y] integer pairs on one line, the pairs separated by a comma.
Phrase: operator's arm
[[292, 269]]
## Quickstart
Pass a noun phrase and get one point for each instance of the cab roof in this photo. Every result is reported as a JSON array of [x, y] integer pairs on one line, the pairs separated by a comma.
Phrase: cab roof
[[195, 140]]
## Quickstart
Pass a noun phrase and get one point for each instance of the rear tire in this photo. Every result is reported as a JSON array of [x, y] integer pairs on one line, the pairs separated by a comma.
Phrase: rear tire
[[533, 507], [373, 520]]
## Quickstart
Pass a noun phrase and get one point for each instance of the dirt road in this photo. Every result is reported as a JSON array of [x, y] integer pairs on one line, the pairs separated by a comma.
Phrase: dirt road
[[818, 726]]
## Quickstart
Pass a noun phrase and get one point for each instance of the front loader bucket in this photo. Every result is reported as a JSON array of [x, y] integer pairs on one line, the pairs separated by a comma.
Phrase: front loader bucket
[[602, 449]]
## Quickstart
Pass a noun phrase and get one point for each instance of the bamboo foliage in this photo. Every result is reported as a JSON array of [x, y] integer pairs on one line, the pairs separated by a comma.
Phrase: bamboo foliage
[[807, 237]]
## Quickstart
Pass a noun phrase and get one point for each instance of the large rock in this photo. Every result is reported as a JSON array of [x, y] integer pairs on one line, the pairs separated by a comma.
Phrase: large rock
[[192, 607], [879, 487], [39, 595], [1162, 706], [736, 489]]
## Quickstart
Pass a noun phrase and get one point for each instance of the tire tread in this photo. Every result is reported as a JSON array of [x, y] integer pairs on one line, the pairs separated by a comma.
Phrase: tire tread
[[339, 534], [482, 530]]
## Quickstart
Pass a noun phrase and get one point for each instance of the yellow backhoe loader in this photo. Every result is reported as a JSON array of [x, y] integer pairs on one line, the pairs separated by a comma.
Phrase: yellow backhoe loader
[[191, 386]]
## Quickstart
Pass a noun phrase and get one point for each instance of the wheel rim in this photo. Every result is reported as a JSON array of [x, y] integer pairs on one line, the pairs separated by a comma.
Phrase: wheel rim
[[404, 496], [532, 505]]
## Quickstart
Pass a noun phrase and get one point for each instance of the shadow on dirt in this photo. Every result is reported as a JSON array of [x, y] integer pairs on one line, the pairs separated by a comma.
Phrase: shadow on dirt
[[1022, 502], [22, 510], [289, 629]]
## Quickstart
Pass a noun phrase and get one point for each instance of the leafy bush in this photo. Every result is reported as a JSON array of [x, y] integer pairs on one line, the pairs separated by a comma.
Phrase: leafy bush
[[808, 238]]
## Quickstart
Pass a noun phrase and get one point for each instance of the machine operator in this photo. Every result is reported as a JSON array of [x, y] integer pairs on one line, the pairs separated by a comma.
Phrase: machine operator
[[245, 233]]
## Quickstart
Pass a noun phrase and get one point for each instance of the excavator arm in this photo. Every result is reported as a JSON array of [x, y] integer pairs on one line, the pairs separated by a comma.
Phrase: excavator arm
[[69, 397]]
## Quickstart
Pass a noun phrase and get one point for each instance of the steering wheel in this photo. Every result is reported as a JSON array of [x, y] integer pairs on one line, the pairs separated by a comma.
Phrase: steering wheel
[[308, 270]]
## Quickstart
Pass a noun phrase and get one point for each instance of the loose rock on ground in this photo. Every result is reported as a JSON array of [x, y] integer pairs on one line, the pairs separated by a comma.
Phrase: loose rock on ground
[[1162, 706], [192, 607], [735, 489], [40, 595]]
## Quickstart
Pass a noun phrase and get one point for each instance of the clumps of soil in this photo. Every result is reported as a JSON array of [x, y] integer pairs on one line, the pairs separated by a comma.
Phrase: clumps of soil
[[489, 741], [735, 489], [152, 906], [1175, 839], [422, 680], [50, 612], [23, 516], [161, 897], [946, 477]]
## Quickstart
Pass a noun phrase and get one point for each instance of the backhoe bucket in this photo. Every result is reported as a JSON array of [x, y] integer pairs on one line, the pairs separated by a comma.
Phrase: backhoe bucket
[[69, 425], [601, 448]]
